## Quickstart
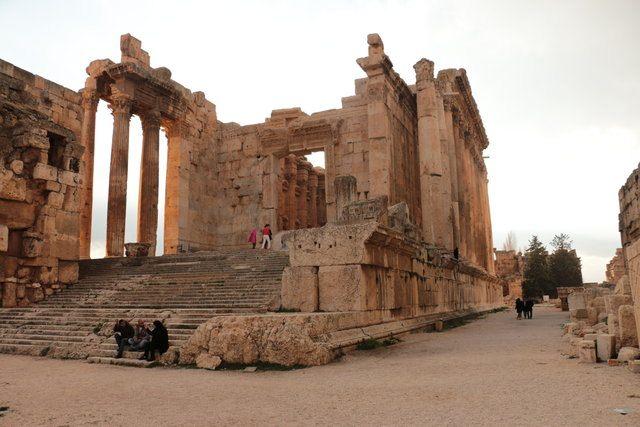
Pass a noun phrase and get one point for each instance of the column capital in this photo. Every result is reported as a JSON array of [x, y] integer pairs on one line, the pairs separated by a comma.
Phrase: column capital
[[90, 99], [121, 103], [424, 72], [151, 118]]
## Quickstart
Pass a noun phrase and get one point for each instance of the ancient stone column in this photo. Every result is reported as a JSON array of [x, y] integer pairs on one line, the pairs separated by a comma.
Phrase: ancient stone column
[[462, 190], [117, 206], [321, 200], [149, 171], [430, 156], [87, 139], [453, 170], [291, 175], [312, 218], [302, 181]]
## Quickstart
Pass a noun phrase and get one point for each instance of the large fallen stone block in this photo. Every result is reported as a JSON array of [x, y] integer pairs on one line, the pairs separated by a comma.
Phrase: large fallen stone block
[[628, 353], [576, 301], [627, 332], [587, 351], [605, 347], [634, 366]]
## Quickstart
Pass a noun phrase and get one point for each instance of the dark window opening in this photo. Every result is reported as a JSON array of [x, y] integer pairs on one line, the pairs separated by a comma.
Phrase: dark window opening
[[57, 145]]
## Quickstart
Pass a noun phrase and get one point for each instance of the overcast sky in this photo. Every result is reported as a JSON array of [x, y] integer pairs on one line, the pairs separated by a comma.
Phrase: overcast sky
[[556, 83]]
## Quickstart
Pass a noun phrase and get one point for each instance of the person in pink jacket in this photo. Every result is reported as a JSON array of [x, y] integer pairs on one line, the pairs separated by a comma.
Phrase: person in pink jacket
[[253, 237]]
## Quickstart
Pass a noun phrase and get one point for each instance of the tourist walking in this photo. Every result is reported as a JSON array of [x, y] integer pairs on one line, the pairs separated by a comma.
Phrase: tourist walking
[[519, 308], [253, 237], [122, 331], [266, 237], [528, 309], [159, 341]]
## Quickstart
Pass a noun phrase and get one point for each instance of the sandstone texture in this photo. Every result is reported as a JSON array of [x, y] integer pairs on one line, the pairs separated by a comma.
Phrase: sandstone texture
[[282, 340]]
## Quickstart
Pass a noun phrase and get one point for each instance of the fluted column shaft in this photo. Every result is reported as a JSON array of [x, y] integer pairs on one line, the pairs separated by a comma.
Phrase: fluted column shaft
[[87, 139], [117, 205], [303, 178], [149, 171], [292, 203], [313, 199]]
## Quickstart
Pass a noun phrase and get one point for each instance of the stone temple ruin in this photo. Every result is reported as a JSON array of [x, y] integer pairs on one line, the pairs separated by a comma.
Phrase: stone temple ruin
[[510, 268], [394, 233], [606, 323]]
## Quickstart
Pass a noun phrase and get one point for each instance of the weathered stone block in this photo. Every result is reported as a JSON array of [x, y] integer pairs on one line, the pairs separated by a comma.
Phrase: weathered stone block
[[605, 347], [578, 313], [628, 353], [627, 332], [300, 289], [4, 238], [9, 294], [341, 288], [576, 301], [32, 246], [587, 351], [68, 272], [634, 366], [45, 172], [14, 189]]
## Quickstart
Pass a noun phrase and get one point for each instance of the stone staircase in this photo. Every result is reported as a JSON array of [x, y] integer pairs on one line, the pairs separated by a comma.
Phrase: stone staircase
[[182, 290]]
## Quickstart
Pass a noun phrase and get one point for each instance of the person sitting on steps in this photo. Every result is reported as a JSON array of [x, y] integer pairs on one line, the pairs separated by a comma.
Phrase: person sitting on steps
[[122, 331], [141, 337], [159, 341]]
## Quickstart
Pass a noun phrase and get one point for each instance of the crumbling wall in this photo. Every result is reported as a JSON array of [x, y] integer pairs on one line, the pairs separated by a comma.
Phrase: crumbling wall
[[630, 236], [40, 162]]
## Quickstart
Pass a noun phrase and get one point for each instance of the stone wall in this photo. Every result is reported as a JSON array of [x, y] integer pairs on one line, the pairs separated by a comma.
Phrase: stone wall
[[40, 179], [510, 268], [615, 268], [630, 236], [368, 266]]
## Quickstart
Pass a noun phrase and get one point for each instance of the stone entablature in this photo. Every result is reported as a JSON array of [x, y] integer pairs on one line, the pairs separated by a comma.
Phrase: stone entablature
[[40, 180]]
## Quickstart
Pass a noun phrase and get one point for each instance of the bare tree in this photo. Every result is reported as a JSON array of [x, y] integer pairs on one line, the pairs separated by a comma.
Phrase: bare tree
[[510, 243]]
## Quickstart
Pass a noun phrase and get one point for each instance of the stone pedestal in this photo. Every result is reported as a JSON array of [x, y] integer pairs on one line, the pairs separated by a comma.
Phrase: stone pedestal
[[587, 351], [605, 347]]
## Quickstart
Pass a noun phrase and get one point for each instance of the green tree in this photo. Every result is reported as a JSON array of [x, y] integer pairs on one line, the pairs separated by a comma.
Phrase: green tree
[[565, 267], [536, 272]]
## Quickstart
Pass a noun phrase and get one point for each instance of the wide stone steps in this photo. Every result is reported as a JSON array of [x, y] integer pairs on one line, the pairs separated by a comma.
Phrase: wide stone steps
[[184, 290]]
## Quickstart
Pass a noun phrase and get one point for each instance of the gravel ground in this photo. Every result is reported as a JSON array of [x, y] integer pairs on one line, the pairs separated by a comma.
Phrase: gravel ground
[[492, 371]]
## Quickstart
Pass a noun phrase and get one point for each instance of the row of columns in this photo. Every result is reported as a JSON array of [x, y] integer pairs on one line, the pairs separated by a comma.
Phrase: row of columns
[[302, 195], [121, 108], [453, 182]]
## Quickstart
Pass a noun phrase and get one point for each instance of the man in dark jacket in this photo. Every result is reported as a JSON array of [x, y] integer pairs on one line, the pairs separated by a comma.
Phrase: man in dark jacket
[[519, 307], [122, 331], [528, 309]]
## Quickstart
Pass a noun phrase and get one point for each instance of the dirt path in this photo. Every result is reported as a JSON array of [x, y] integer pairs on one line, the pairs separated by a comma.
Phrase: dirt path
[[492, 371]]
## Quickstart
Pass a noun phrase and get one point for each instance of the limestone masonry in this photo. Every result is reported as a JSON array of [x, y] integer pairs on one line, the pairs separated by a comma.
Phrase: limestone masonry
[[395, 228]]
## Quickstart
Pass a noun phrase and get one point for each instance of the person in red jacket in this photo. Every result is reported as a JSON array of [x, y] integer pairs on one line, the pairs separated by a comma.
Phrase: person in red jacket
[[266, 237]]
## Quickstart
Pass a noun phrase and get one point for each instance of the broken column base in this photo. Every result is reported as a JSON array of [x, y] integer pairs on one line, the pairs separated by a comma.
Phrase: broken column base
[[587, 351]]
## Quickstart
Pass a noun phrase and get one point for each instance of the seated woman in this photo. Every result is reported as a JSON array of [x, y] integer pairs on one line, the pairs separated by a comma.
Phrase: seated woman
[[159, 341]]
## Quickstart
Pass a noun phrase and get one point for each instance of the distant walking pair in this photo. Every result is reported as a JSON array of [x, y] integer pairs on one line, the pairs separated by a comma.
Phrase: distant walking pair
[[524, 307], [266, 237]]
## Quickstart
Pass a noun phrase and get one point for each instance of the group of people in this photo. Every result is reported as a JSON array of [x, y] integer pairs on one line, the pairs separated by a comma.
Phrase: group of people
[[267, 236], [524, 307], [141, 338]]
